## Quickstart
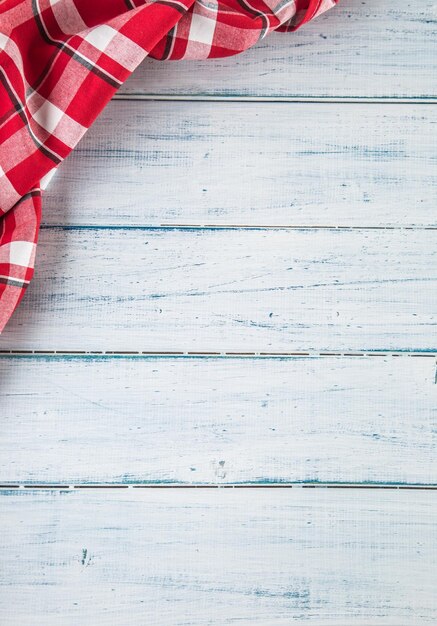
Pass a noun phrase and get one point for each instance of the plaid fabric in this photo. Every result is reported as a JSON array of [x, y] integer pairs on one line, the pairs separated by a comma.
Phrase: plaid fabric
[[60, 63]]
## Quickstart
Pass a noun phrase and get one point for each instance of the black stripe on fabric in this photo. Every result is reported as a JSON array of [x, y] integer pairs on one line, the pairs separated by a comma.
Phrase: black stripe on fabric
[[18, 107], [35, 193], [40, 25], [244, 5], [168, 43], [45, 151], [20, 110], [62, 46], [173, 5], [281, 5], [13, 282], [92, 68]]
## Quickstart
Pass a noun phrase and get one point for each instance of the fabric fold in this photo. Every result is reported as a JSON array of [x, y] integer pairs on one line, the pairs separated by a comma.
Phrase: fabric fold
[[61, 61]]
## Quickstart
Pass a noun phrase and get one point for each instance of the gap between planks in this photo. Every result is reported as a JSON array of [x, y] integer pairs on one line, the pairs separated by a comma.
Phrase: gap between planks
[[170, 354], [269, 99], [227, 227], [55, 487]]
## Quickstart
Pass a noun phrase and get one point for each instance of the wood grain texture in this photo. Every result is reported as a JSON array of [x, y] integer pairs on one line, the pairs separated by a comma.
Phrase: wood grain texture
[[145, 163], [372, 48], [73, 420], [197, 557], [230, 290]]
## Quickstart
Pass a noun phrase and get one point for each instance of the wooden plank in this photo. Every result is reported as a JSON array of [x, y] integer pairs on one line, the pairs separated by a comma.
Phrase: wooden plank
[[196, 557], [230, 290], [75, 420], [146, 164], [377, 48]]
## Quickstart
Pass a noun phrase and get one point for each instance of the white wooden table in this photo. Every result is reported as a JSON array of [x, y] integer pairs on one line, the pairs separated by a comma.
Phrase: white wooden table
[[236, 288]]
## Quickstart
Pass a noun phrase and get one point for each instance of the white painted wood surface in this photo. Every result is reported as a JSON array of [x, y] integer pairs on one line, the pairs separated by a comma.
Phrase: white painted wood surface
[[74, 420], [152, 163], [230, 290], [366, 49], [197, 557]]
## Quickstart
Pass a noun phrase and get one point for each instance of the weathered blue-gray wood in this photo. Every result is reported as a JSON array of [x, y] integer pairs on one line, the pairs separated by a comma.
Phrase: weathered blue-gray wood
[[371, 49], [245, 556], [218, 290], [149, 163], [73, 420]]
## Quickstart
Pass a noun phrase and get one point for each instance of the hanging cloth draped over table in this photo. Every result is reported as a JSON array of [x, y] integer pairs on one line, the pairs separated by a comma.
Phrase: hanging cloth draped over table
[[61, 62]]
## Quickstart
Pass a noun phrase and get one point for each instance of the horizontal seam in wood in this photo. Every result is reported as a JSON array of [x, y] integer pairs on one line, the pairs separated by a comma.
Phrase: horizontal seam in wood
[[205, 354], [106, 486], [228, 227], [120, 97]]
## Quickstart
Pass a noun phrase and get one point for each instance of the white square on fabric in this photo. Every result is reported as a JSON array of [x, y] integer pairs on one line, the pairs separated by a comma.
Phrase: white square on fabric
[[18, 253], [202, 29], [48, 116], [125, 51], [3, 41], [101, 36]]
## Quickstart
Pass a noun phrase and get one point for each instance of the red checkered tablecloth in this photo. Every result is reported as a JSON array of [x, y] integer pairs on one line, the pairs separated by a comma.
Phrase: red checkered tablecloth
[[60, 63]]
